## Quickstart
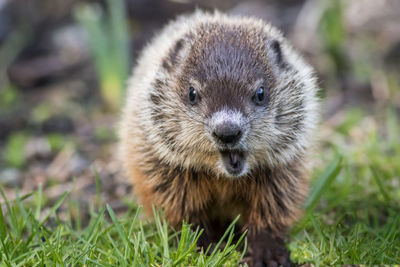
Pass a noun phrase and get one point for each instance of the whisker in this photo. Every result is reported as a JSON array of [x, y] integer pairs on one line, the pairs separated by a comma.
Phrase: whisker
[[184, 112], [288, 113]]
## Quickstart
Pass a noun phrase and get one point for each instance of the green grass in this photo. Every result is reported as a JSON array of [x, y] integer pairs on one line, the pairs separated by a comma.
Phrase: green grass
[[351, 216], [108, 36], [31, 237], [358, 219], [14, 153]]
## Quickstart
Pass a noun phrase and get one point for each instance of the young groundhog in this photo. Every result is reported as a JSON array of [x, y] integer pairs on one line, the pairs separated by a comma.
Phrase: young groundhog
[[219, 116]]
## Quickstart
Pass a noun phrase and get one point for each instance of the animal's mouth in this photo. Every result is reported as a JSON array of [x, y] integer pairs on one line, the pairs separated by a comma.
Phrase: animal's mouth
[[234, 161]]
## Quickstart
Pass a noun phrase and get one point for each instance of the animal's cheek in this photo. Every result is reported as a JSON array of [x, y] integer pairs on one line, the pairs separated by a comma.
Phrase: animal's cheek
[[261, 131], [192, 135], [252, 161]]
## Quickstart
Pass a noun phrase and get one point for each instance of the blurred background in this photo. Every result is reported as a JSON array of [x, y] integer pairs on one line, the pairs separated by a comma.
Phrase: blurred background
[[64, 63]]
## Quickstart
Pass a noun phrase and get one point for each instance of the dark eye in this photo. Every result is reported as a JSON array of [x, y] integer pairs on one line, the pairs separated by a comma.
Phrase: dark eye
[[260, 97], [193, 97]]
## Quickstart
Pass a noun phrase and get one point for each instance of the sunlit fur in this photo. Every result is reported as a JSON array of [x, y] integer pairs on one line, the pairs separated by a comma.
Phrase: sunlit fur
[[166, 147]]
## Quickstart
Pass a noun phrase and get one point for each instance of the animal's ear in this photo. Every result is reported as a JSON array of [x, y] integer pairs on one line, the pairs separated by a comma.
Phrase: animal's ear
[[275, 52], [175, 52], [173, 55]]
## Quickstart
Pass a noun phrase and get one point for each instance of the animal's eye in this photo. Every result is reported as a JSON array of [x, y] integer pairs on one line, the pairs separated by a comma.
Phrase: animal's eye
[[193, 97], [260, 97]]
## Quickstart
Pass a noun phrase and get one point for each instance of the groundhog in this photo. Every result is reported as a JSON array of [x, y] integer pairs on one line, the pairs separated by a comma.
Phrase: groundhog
[[219, 117]]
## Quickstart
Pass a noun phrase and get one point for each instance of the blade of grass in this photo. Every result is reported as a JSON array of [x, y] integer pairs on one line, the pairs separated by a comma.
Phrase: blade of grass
[[54, 208], [229, 231], [98, 189], [3, 236], [162, 231], [12, 219], [3, 226], [186, 231], [323, 183], [133, 223], [379, 182], [117, 225], [39, 201], [118, 24]]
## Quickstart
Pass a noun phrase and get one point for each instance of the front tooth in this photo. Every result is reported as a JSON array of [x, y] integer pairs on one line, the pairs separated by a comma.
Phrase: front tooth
[[233, 158]]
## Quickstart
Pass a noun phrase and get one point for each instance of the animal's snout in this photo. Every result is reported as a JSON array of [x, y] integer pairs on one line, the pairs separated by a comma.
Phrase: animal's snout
[[228, 132]]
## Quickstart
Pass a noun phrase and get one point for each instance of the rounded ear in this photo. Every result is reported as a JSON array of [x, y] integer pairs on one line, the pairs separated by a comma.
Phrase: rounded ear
[[275, 55], [175, 52], [172, 58], [275, 47]]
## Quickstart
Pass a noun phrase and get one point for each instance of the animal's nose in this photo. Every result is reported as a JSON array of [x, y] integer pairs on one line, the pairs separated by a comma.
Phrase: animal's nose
[[228, 133]]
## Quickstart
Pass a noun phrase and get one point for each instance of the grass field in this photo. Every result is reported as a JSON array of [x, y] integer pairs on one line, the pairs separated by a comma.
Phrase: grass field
[[352, 215], [357, 219]]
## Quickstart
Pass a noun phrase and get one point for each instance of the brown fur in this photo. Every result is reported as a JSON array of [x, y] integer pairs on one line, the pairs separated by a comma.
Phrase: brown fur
[[169, 153], [265, 199]]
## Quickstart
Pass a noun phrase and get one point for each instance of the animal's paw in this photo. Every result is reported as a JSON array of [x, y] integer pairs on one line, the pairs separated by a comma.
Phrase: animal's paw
[[268, 251]]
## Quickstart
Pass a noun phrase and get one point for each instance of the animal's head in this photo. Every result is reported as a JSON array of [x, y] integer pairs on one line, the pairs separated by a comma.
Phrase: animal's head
[[235, 98]]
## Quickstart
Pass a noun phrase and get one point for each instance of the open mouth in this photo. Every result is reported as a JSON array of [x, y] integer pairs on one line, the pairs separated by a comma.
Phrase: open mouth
[[234, 161]]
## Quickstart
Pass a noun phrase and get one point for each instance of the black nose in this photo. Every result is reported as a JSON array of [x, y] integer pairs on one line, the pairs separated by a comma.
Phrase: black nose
[[228, 133]]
